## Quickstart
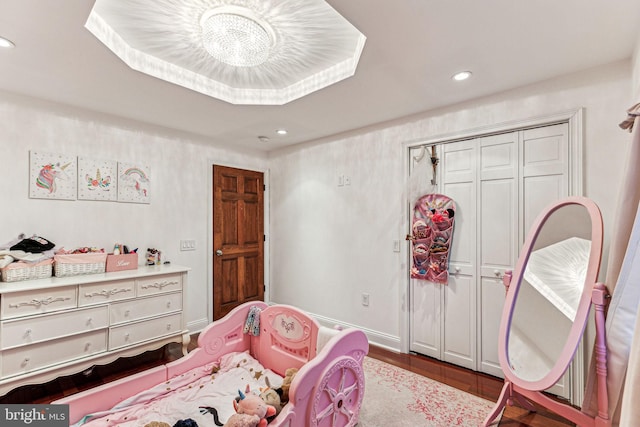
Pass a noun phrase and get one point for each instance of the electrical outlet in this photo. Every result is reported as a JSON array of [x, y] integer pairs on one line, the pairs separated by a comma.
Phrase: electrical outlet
[[347, 180], [187, 245], [340, 180], [365, 300]]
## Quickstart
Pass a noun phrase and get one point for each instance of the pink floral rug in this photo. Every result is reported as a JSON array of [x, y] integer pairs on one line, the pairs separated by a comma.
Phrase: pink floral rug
[[396, 397]]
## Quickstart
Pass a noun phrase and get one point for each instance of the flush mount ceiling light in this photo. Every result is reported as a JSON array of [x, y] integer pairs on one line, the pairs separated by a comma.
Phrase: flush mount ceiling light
[[241, 51], [6, 43], [462, 75]]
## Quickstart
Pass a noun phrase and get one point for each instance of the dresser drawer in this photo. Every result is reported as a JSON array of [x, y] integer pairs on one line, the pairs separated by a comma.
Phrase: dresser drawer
[[132, 333], [97, 293], [14, 333], [141, 308], [39, 301], [159, 284], [36, 356]]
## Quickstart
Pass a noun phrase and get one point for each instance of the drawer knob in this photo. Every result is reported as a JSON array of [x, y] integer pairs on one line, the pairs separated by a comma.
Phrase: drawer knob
[[126, 313], [87, 346], [169, 304], [26, 361], [126, 337], [168, 326], [27, 332], [89, 320]]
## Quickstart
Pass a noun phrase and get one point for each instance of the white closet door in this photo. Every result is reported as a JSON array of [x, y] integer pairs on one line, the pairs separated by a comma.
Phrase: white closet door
[[498, 229], [545, 166], [426, 297], [459, 296], [545, 169], [426, 318]]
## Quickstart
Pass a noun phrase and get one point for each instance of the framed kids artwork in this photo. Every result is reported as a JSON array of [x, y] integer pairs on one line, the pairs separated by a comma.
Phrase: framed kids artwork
[[134, 183], [52, 176], [97, 179]]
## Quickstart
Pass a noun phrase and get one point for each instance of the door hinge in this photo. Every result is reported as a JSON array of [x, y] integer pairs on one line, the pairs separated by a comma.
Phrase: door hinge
[[264, 237], [264, 187]]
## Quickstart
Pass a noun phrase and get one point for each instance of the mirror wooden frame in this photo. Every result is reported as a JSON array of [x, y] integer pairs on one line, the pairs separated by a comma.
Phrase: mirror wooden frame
[[524, 392]]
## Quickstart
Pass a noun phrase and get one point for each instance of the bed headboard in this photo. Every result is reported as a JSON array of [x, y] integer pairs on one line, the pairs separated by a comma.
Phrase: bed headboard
[[287, 338]]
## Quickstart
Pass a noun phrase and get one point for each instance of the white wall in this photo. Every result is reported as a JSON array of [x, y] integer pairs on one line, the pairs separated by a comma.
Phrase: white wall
[[330, 244], [636, 71], [181, 181]]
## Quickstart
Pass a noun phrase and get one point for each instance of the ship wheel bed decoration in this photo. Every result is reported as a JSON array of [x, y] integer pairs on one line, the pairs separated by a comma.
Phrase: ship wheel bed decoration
[[342, 387]]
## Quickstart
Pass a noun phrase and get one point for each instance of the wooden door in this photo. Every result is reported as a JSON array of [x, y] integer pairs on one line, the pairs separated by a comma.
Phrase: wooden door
[[238, 238]]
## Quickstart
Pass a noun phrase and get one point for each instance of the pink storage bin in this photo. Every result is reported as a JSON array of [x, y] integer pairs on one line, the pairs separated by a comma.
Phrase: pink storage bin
[[77, 264], [122, 262]]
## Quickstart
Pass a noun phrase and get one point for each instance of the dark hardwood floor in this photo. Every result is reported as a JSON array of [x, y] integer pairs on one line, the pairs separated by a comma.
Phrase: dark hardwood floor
[[478, 384]]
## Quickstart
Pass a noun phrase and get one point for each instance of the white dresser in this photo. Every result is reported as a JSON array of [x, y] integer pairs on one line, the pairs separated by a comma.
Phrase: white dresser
[[63, 325]]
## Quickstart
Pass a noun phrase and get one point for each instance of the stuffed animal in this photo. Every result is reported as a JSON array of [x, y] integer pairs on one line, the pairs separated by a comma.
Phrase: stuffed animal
[[243, 420], [289, 375], [271, 396], [250, 404]]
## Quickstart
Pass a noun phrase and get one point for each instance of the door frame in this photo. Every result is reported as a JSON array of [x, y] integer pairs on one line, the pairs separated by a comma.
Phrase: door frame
[[574, 118], [266, 251]]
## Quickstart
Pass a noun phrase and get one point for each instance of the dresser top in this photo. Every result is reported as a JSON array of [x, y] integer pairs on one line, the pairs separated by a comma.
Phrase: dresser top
[[55, 282]]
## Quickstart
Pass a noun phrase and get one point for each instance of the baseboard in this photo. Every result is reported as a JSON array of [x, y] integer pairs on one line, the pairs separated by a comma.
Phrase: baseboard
[[379, 339], [197, 325]]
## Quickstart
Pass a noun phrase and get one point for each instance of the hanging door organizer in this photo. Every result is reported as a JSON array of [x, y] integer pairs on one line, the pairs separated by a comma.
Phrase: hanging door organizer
[[433, 218]]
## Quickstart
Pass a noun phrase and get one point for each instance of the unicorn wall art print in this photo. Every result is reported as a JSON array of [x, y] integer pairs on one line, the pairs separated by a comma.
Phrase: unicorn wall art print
[[133, 183], [53, 176]]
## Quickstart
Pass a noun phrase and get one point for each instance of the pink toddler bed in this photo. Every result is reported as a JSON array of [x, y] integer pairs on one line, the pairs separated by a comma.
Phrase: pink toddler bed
[[232, 353]]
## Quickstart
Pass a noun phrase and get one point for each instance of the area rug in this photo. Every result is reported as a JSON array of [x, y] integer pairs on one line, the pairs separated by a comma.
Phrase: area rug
[[396, 397]]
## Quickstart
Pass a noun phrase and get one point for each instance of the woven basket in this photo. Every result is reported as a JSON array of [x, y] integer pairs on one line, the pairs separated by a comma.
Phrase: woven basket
[[24, 271], [77, 264]]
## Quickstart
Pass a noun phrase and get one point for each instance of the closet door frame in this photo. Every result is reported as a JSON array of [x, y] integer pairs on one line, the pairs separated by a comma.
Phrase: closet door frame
[[574, 119]]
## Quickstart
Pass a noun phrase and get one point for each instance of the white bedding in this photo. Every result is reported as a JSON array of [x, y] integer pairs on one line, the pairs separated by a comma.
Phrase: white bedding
[[181, 397]]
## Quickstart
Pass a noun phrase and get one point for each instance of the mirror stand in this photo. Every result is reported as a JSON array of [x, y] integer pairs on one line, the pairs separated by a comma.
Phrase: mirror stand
[[512, 393]]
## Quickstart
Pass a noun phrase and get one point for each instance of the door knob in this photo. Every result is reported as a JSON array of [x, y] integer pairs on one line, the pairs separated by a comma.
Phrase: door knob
[[219, 252]]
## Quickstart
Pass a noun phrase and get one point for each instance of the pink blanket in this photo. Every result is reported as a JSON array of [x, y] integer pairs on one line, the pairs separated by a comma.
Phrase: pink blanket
[[182, 396]]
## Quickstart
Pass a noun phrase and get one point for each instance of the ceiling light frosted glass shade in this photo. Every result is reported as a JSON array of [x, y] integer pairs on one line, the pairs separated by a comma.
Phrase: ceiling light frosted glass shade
[[236, 36], [258, 52]]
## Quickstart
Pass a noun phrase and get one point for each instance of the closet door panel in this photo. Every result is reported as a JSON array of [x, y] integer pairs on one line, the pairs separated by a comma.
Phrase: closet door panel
[[463, 243], [492, 295], [459, 161], [459, 183], [538, 192], [426, 318], [545, 150], [499, 156], [498, 239], [459, 321], [498, 226]]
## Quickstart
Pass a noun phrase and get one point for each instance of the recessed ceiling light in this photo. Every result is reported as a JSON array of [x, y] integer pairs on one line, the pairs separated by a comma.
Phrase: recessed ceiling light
[[281, 131], [462, 75], [6, 43]]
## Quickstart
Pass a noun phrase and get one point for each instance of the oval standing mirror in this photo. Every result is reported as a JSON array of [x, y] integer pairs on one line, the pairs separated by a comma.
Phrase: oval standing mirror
[[549, 293], [547, 306]]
